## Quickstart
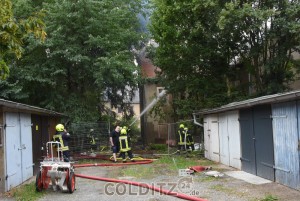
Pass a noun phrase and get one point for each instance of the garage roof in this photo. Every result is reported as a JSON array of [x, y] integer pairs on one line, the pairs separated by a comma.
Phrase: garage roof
[[28, 108], [274, 98]]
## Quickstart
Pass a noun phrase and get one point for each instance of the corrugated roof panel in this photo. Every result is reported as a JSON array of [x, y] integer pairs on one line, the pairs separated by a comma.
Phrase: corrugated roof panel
[[29, 108], [274, 98]]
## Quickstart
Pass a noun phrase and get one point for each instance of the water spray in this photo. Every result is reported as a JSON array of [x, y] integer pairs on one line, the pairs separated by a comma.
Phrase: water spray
[[160, 95]]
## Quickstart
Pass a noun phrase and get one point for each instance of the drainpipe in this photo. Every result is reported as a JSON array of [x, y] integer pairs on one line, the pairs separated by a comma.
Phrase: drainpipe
[[195, 121]]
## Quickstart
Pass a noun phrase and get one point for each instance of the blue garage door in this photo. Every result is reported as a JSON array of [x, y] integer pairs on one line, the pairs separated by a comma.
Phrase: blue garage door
[[286, 140], [19, 165]]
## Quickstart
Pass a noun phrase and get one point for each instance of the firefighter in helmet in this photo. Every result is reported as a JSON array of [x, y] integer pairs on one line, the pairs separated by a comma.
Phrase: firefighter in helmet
[[189, 140], [181, 138], [63, 137], [92, 140], [125, 145]]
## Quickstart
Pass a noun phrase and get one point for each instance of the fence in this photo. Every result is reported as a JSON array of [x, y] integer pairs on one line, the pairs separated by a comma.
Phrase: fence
[[168, 134], [94, 137], [88, 137]]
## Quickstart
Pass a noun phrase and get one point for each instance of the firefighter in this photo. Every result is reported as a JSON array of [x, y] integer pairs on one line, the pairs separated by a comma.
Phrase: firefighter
[[125, 145], [181, 138], [92, 140], [114, 141], [63, 137], [189, 140], [127, 129]]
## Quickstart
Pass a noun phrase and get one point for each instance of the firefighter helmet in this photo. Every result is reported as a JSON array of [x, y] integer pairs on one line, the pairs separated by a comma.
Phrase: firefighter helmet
[[181, 126], [123, 131], [59, 127]]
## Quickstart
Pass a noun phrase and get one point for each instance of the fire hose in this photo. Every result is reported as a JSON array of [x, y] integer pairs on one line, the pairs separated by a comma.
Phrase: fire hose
[[145, 161]]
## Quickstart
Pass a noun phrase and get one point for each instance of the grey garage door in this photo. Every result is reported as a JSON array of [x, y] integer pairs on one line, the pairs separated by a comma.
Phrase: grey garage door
[[257, 141]]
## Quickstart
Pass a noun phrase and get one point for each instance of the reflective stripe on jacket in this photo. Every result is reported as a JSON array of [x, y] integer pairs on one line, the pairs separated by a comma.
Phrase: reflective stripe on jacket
[[124, 144], [58, 138], [182, 137]]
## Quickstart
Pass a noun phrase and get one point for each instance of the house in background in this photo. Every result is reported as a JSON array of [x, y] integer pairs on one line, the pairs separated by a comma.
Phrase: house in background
[[260, 136], [24, 132], [134, 105], [153, 130]]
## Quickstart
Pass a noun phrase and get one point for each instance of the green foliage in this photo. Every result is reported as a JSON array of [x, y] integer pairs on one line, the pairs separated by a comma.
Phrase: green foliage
[[205, 46], [85, 60], [189, 54], [4, 70], [265, 38], [13, 31]]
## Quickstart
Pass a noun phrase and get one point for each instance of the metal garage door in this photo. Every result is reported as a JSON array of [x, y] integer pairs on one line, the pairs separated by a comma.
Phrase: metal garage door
[[234, 139], [286, 144], [248, 149], [257, 141], [211, 138], [26, 146], [229, 133], [224, 139], [13, 151], [264, 145], [18, 149]]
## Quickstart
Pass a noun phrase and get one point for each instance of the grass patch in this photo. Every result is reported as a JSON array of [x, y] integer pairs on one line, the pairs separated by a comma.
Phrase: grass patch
[[165, 165], [205, 162], [158, 147], [26, 192], [269, 198], [139, 171], [222, 188], [90, 161], [229, 191], [180, 162]]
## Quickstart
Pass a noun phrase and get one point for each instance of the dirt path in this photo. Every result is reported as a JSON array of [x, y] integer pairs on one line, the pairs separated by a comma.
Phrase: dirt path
[[87, 190], [224, 188], [214, 189]]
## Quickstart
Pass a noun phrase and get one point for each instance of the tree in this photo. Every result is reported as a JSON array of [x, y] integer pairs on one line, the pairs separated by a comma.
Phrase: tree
[[193, 64], [13, 31], [264, 35], [85, 58], [204, 45]]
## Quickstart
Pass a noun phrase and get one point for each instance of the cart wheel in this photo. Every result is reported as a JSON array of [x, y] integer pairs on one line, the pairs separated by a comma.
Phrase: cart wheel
[[71, 183], [39, 182]]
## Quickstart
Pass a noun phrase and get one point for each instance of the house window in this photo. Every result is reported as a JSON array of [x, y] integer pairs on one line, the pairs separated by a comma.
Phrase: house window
[[159, 90], [119, 110]]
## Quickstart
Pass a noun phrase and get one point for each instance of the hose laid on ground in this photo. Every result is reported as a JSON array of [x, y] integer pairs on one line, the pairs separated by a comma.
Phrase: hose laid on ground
[[141, 161], [146, 161], [166, 192]]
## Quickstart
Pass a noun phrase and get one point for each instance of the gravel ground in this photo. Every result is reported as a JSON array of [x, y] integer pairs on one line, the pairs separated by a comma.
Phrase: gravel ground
[[214, 189]]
